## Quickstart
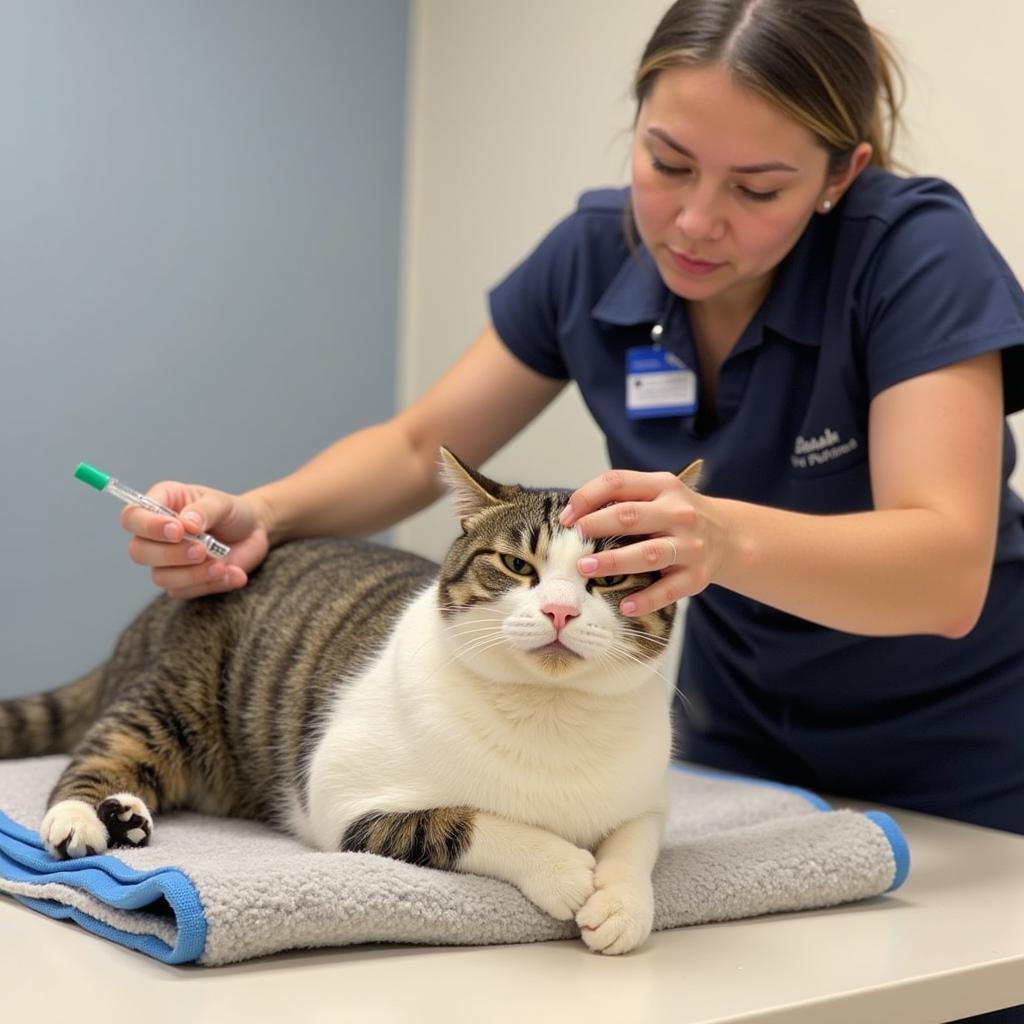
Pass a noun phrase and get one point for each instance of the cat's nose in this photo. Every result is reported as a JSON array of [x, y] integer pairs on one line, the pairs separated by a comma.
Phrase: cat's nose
[[560, 614]]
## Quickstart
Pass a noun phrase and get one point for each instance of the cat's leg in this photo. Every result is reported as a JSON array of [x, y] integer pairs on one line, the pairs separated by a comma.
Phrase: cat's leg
[[555, 875], [124, 771], [619, 914], [74, 827]]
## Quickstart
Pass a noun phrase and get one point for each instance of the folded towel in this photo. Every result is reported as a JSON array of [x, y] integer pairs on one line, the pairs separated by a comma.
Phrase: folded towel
[[219, 890]]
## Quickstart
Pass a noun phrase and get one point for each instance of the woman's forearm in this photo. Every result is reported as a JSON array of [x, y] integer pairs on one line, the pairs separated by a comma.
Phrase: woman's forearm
[[879, 573], [373, 478], [360, 485]]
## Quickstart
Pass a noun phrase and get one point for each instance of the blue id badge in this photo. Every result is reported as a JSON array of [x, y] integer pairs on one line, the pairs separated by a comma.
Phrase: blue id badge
[[658, 383]]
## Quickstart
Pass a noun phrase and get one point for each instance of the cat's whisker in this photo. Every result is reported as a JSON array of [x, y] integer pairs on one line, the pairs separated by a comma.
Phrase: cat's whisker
[[668, 682], [459, 638], [463, 620], [476, 637], [466, 624], [618, 644], [461, 608], [611, 661], [426, 643], [471, 627], [478, 617], [621, 651], [645, 642], [461, 630], [469, 633], [687, 703], [647, 637], [477, 646], [624, 656], [618, 653], [671, 687], [607, 659]]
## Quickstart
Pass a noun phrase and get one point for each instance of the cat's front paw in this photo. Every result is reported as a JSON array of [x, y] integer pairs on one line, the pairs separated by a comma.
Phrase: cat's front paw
[[127, 820], [72, 829], [562, 884], [618, 917]]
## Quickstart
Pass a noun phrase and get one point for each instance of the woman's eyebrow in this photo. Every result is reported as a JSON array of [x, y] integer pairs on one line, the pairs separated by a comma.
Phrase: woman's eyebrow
[[773, 165]]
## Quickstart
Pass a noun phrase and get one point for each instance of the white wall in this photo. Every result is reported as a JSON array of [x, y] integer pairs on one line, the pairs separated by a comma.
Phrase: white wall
[[517, 108]]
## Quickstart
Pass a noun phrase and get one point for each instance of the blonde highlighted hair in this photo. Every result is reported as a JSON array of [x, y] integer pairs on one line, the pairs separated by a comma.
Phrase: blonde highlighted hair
[[817, 60]]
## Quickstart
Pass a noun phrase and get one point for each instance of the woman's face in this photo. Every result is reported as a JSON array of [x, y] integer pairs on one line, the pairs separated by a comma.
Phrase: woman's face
[[724, 184]]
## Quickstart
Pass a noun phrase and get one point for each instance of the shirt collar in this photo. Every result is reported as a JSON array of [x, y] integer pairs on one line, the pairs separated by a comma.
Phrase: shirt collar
[[793, 308], [636, 295]]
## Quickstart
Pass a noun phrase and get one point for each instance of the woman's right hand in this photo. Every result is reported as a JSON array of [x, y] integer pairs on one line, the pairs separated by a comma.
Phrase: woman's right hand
[[183, 568]]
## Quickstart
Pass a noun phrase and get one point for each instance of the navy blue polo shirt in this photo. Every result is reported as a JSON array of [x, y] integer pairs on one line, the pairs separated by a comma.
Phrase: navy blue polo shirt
[[898, 280]]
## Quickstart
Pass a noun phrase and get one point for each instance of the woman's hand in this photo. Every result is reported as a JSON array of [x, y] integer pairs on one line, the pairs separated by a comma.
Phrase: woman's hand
[[682, 536], [185, 568]]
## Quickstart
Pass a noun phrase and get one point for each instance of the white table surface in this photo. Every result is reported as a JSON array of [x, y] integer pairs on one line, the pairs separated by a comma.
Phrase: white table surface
[[949, 943]]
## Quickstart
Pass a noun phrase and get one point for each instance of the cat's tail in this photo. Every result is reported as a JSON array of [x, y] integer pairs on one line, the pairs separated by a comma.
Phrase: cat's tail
[[50, 723]]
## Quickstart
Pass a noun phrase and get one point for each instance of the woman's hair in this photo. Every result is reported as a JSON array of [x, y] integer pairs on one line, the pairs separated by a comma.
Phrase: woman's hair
[[817, 60]]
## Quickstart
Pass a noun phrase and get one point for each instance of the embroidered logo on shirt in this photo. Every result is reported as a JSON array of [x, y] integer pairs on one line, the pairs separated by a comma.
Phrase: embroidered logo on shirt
[[816, 451]]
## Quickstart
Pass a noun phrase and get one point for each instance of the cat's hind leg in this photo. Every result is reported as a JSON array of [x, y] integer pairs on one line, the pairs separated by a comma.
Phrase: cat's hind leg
[[77, 828], [124, 772]]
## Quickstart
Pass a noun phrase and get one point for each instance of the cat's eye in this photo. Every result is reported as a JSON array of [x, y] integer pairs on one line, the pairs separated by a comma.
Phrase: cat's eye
[[520, 566], [607, 581]]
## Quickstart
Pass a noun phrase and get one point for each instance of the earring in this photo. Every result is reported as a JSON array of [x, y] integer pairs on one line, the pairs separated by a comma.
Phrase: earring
[[826, 205]]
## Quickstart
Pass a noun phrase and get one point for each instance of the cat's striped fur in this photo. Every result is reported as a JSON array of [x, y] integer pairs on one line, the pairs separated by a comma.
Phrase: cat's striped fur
[[370, 701]]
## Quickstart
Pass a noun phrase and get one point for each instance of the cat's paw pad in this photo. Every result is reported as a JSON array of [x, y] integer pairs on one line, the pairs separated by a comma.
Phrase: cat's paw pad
[[72, 829], [617, 918], [561, 885], [127, 820]]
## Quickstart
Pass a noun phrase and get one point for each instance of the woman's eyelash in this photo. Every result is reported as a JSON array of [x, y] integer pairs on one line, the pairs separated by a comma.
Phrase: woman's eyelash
[[667, 168], [758, 197], [748, 193]]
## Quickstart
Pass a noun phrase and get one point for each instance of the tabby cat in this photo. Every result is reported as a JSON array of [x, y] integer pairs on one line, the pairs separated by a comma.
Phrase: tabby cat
[[494, 715]]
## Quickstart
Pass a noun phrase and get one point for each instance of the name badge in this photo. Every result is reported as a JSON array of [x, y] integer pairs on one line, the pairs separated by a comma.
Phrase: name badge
[[658, 383]]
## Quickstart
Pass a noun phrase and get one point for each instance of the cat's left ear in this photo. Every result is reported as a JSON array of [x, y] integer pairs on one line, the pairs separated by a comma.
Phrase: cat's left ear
[[472, 491], [692, 474]]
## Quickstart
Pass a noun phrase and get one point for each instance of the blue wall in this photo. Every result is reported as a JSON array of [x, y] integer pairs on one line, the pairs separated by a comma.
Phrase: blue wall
[[200, 207]]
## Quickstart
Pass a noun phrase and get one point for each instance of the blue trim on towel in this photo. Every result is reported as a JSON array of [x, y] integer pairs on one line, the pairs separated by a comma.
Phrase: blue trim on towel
[[812, 798], [110, 881], [900, 849], [897, 842]]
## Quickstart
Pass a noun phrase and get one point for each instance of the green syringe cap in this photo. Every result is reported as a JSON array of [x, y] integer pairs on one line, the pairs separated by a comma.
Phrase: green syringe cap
[[92, 476]]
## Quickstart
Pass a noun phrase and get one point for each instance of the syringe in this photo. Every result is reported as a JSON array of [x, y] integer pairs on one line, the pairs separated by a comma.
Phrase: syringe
[[106, 483]]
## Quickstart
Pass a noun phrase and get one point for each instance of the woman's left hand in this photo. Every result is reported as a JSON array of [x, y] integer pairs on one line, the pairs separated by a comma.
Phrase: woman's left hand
[[681, 536]]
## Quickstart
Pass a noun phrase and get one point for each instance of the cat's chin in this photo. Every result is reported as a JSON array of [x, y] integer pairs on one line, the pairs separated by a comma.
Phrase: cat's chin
[[556, 649], [555, 661], [559, 667], [537, 666]]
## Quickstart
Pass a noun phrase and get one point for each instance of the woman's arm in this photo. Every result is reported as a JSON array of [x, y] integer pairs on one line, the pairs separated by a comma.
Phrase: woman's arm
[[360, 484], [920, 562], [371, 479]]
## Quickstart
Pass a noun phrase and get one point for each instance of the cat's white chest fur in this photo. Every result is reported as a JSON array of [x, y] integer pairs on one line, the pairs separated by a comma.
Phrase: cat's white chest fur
[[420, 730]]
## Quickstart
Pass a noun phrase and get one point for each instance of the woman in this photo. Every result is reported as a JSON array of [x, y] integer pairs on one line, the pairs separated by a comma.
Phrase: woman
[[840, 345]]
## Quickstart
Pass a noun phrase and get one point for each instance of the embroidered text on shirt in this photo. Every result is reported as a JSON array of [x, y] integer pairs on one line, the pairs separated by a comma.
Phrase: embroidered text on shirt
[[816, 451]]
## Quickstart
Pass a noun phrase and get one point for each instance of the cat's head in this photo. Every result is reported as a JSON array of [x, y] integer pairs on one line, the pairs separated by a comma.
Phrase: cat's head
[[516, 609]]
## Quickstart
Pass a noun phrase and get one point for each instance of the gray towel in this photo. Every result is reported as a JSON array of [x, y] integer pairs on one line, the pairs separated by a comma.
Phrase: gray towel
[[216, 890]]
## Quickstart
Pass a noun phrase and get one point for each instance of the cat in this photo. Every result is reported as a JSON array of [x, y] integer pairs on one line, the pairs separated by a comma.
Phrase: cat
[[495, 714]]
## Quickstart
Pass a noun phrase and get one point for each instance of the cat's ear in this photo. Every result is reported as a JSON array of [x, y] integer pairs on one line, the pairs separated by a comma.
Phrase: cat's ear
[[691, 475], [471, 490]]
